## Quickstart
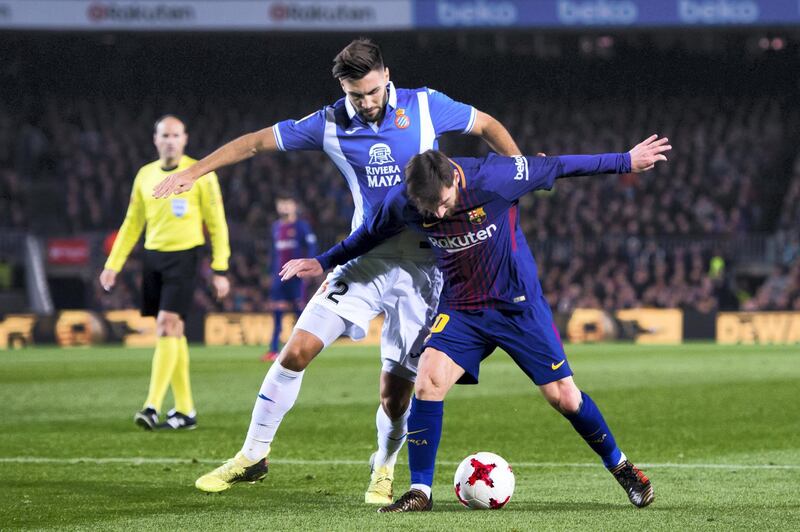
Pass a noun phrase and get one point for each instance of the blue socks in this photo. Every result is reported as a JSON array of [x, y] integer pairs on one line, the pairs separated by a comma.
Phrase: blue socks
[[589, 423], [424, 433], [276, 332]]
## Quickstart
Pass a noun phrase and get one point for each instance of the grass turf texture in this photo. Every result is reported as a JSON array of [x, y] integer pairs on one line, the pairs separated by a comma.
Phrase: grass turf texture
[[731, 410]]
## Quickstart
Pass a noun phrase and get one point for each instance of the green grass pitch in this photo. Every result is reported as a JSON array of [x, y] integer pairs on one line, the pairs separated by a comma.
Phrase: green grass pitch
[[717, 428]]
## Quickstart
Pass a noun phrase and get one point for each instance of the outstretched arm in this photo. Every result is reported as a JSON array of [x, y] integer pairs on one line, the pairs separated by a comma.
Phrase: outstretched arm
[[385, 223], [359, 242], [494, 134], [512, 177], [641, 158], [234, 151]]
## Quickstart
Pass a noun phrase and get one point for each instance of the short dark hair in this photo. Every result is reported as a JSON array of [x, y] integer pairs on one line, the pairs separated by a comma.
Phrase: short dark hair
[[169, 115], [427, 173], [357, 59], [285, 195]]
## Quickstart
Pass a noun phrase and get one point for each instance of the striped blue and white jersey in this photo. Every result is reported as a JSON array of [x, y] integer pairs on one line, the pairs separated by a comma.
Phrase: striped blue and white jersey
[[372, 157]]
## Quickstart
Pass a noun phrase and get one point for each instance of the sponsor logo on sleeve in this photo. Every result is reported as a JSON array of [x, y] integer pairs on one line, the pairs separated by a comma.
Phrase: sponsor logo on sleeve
[[522, 168]]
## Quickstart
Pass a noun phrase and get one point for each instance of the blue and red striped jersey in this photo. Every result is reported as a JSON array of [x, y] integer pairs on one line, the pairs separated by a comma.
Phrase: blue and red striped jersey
[[291, 240], [480, 248]]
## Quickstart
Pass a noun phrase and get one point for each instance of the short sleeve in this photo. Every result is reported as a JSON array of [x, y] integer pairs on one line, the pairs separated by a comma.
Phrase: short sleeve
[[449, 115], [304, 134]]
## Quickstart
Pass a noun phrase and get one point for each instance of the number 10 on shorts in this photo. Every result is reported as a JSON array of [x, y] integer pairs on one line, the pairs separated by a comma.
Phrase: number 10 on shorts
[[439, 323]]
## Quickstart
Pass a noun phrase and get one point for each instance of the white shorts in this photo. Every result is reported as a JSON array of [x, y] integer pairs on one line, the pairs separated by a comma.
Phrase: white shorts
[[406, 291]]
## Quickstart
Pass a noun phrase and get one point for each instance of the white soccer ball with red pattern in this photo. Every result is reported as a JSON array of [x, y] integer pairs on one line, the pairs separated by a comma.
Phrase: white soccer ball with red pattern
[[484, 481]]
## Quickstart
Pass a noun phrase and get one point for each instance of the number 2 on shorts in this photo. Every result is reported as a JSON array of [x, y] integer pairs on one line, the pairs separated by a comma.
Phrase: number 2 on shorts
[[339, 289]]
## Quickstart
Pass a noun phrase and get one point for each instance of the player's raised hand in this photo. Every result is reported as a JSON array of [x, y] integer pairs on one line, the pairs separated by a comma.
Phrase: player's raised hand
[[108, 278], [176, 183], [647, 153], [301, 268]]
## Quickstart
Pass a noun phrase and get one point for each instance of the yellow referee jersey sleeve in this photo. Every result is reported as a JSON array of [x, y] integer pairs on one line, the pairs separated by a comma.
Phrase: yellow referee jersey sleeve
[[214, 217], [175, 223]]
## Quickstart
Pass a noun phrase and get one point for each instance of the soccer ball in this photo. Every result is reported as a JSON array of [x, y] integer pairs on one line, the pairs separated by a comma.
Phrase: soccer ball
[[484, 481]]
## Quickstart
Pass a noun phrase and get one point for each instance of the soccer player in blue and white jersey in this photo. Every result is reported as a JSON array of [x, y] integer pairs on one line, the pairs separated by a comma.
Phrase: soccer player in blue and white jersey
[[467, 209], [292, 238], [370, 135]]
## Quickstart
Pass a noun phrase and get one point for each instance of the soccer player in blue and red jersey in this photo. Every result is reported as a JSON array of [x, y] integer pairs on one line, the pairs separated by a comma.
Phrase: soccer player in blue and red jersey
[[467, 209], [369, 134], [292, 238]]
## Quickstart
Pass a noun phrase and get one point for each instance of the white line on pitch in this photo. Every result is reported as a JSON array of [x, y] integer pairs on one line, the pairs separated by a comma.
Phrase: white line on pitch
[[135, 460]]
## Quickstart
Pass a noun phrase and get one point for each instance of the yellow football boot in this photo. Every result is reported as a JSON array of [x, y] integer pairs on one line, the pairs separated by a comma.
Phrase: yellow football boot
[[380, 484], [237, 469]]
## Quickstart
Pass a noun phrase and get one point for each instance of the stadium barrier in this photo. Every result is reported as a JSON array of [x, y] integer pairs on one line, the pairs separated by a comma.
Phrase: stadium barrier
[[75, 328], [642, 326], [758, 328]]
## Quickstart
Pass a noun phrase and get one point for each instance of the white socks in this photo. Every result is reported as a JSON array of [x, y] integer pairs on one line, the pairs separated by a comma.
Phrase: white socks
[[423, 488], [391, 435], [277, 396]]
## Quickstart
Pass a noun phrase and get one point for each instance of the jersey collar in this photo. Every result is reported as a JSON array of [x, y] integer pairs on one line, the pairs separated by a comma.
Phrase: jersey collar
[[459, 172], [391, 102]]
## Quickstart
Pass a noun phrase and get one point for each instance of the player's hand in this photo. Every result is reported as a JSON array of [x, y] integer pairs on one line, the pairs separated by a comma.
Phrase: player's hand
[[647, 153], [108, 278], [222, 286], [301, 268], [177, 183]]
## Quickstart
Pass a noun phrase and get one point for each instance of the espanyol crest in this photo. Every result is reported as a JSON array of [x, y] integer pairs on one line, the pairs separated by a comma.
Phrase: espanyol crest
[[380, 153], [401, 119]]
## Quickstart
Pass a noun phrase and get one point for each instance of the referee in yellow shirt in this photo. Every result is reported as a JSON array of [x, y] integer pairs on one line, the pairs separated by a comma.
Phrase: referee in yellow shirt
[[172, 244]]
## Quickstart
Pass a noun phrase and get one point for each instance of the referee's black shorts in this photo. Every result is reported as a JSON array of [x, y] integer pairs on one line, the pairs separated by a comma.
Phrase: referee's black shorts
[[168, 280]]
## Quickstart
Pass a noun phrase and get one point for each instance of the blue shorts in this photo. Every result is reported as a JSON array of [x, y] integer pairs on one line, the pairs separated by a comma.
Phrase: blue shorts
[[530, 337], [291, 290]]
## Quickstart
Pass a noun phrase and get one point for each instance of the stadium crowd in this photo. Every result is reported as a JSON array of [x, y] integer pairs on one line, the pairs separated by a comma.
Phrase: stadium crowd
[[604, 242]]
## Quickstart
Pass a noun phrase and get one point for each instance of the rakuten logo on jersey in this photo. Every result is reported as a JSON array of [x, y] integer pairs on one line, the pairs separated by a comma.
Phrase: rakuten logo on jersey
[[476, 13], [718, 11], [454, 244], [597, 12]]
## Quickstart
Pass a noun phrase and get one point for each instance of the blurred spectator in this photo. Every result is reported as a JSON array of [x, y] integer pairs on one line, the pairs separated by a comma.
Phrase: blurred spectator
[[604, 242]]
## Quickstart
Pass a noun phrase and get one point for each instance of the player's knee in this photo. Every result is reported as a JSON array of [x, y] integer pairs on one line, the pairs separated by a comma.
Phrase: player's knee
[[563, 395], [394, 407], [169, 324], [570, 401], [429, 388], [296, 355]]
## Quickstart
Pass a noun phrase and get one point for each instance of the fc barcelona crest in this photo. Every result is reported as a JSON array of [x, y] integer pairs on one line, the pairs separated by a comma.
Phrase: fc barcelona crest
[[477, 216]]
